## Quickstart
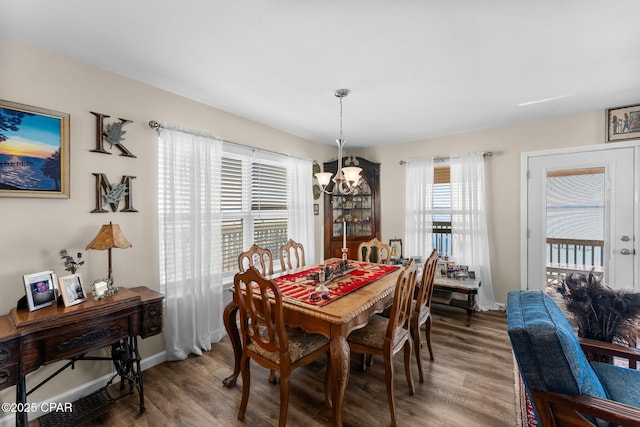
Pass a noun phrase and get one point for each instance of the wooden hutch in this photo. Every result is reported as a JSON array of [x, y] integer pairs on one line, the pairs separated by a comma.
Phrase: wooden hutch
[[360, 211]]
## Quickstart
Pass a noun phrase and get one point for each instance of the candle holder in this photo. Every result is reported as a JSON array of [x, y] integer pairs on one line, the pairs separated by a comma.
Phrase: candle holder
[[344, 253]]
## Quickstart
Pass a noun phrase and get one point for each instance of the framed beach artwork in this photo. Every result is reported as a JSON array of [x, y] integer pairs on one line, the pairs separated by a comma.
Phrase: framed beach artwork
[[34, 151]]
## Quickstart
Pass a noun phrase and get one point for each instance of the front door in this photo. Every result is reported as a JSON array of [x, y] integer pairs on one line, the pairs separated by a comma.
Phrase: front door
[[580, 217]]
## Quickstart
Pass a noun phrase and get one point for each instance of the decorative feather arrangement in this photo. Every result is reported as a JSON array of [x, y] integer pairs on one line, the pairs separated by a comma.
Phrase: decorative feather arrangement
[[600, 312]]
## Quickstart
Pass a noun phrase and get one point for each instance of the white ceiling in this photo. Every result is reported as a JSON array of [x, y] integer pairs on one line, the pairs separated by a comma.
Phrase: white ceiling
[[416, 69]]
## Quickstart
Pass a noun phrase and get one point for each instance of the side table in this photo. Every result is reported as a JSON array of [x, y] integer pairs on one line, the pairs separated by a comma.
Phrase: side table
[[444, 289]]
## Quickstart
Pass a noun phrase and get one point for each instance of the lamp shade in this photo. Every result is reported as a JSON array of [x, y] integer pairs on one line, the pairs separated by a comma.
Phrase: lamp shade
[[324, 178], [352, 174], [109, 236]]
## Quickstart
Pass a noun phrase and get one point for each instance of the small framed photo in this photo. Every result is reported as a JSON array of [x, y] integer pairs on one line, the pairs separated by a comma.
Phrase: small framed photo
[[623, 123], [41, 289], [71, 289], [102, 288], [396, 248]]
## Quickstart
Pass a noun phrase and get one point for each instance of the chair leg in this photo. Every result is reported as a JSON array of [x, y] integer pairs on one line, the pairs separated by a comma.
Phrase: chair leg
[[427, 331], [328, 383], [407, 366], [388, 375], [417, 345], [273, 379], [284, 399], [246, 382]]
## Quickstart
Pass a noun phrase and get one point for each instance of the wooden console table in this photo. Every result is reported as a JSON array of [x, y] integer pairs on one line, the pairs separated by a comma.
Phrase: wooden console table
[[29, 340], [443, 290]]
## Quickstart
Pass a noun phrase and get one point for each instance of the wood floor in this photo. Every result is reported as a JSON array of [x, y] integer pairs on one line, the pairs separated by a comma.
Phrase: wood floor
[[470, 383]]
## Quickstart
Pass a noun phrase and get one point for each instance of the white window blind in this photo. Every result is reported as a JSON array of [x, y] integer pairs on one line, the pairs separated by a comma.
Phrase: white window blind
[[254, 203]]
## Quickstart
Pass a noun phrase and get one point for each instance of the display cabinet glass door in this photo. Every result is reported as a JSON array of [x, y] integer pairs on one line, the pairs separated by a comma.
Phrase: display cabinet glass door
[[353, 212]]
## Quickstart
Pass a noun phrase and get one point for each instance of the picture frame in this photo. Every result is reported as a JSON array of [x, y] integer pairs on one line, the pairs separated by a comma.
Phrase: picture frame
[[41, 289], [395, 246], [316, 209], [623, 123], [34, 154], [101, 288], [71, 289]]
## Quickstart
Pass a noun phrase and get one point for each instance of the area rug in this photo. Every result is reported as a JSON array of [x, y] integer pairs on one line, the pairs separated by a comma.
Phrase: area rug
[[525, 415]]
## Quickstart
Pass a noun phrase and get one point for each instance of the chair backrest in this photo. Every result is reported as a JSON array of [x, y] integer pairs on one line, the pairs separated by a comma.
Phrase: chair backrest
[[425, 292], [374, 251], [402, 297], [261, 314], [289, 251], [546, 348], [256, 256]]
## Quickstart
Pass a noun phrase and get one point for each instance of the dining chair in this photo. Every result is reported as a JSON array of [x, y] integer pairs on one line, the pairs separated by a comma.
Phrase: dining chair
[[264, 258], [386, 336], [374, 251], [254, 256], [421, 311], [269, 343], [289, 250]]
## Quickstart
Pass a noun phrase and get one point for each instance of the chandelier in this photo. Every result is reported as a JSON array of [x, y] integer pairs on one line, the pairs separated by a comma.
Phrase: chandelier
[[348, 178]]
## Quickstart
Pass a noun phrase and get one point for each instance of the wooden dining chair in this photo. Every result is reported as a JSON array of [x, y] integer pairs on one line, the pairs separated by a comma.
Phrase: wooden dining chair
[[264, 258], [374, 251], [256, 256], [421, 311], [386, 336], [289, 251], [267, 341]]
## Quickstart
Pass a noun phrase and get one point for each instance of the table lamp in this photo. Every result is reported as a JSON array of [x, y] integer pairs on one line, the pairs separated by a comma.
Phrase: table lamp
[[109, 236]]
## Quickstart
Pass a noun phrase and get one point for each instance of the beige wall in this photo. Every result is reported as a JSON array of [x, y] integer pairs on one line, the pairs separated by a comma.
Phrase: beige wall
[[503, 179], [34, 230]]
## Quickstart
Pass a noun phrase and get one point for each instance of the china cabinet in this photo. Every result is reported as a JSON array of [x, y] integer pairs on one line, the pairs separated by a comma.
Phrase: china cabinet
[[352, 218]]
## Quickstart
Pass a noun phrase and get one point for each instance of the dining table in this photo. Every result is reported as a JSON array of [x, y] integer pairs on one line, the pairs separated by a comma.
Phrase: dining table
[[345, 309]]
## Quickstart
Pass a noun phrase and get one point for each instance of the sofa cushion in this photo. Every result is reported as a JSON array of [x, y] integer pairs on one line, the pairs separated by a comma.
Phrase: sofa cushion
[[621, 384], [546, 348]]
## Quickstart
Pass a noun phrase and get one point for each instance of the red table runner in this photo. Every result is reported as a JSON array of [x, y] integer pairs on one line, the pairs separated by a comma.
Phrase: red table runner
[[298, 287]]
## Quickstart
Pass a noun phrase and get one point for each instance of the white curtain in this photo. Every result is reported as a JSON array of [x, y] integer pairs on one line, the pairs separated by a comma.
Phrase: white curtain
[[470, 240], [300, 205], [419, 208], [189, 223]]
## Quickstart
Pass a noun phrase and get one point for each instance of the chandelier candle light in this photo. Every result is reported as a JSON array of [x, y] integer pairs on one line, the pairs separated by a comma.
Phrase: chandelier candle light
[[346, 180]]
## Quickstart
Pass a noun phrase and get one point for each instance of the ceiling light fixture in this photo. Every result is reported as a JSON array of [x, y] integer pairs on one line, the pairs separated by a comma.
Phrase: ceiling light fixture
[[348, 178]]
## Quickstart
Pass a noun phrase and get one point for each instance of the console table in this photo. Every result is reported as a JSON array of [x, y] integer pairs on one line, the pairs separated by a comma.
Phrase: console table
[[29, 340], [444, 289]]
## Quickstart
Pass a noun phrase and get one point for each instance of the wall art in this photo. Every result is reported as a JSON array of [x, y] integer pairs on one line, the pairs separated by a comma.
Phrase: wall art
[[34, 151]]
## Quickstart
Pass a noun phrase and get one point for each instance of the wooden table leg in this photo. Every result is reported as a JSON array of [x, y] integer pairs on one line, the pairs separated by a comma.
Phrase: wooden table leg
[[22, 419], [230, 317], [340, 354], [471, 303]]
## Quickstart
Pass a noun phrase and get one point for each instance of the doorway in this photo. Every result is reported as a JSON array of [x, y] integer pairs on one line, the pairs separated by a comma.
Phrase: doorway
[[578, 216]]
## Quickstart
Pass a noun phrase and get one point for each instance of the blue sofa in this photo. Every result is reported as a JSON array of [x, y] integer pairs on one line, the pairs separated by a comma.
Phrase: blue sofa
[[565, 388]]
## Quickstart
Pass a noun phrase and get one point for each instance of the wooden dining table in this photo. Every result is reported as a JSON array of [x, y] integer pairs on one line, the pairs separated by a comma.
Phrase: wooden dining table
[[334, 320]]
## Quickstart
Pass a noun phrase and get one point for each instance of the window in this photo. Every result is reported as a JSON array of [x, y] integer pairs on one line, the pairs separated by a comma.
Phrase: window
[[254, 203], [442, 211]]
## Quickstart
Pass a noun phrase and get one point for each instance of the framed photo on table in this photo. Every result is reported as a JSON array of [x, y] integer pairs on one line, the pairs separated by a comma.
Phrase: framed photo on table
[[623, 123], [41, 289], [395, 246], [34, 151], [71, 289]]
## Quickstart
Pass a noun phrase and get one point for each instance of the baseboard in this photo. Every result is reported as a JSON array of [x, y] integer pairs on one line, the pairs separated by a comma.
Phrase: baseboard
[[82, 390]]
